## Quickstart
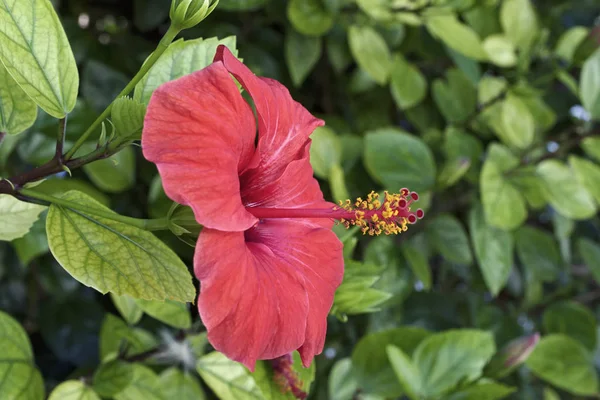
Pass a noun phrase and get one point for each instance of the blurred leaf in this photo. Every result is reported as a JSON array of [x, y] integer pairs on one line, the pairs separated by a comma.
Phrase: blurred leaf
[[180, 385], [485, 390], [418, 263], [16, 217], [407, 373], [445, 359], [591, 145], [398, 159], [456, 35], [572, 319], [337, 183], [17, 111], [241, 5], [371, 52], [181, 58], [36, 52], [33, 244], [519, 22], [372, 369], [149, 14], [101, 84], [450, 238], [73, 390], [589, 85], [342, 384], [170, 312], [407, 83], [538, 252], [309, 17], [113, 256], [228, 379], [268, 378], [56, 187], [588, 175], [112, 378], [128, 117], [355, 295], [565, 363], [564, 192], [128, 308], [114, 174], [21, 379], [569, 42], [468, 66], [145, 385], [456, 98], [459, 145], [301, 55], [325, 151], [493, 250], [115, 333], [500, 50], [518, 125], [590, 252], [530, 186]]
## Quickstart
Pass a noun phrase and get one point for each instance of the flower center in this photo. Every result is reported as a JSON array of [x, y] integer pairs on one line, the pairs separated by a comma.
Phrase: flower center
[[390, 215]]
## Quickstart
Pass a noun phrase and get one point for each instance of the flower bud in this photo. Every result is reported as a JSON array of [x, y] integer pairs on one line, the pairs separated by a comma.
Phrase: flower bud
[[186, 14], [511, 356]]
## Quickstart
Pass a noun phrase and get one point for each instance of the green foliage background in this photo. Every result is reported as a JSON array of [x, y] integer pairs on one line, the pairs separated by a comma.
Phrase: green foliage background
[[490, 109]]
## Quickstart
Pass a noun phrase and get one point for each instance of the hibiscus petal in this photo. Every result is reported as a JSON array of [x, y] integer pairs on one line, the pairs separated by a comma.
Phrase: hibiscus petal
[[267, 292], [284, 125], [200, 133]]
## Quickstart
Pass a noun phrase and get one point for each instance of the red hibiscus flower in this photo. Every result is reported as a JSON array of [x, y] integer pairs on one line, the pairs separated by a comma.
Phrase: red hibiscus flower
[[267, 260]]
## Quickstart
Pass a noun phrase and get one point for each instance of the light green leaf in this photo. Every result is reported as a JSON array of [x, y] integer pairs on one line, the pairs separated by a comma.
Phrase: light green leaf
[[355, 295], [406, 372], [372, 369], [301, 55], [36, 52], [407, 83], [531, 187], [590, 252], [21, 379], [127, 307], [484, 390], [572, 319], [34, 244], [173, 313], [398, 159], [128, 117], [591, 146], [337, 183], [589, 85], [115, 333], [17, 111], [519, 22], [450, 238], [113, 256], [16, 217], [588, 175], [456, 98], [309, 17], [112, 378], [569, 42], [447, 358], [518, 125], [538, 252], [456, 35], [145, 385], [228, 379], [371, 52], [73, 390], [564, 192], [325, 151], [500, 50], [342, 384], [565, 363], [179, 385], [181, 58], [493, 250], [114, 174], [267, 380]]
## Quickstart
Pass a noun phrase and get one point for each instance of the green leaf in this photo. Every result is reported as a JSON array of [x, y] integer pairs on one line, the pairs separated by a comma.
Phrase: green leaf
[[115, 333], [519, 22], [371, 52], [406, 372], [484, 390], [301, 55], [589, 85], [173, 313], [569, 42], [180, 385], [538, 252], [17, 111], [128, 308], [456, 98], [16, 217], [447, 358], [588, 175], [564, 192], [500, 50], [407, 83], [309, 17], [590, 252], [342, 384], [21, 379], [503, 203], [127, 115], [73, 390], [337, 183], [325, 151], [418, 263], [228, 379], [101, 84], [114, 174], [36, 52], [456, 35], [450, 239], [493, 250], [517, 126], [241, 5], [591, 146], [565, 363], [113, 256], [181, 58], [355, 295], [572, 319], [267, 379], [34, 244], [460, 145], [112, 378], [398, 159], [145, 385], [56, 187], [372, 369]]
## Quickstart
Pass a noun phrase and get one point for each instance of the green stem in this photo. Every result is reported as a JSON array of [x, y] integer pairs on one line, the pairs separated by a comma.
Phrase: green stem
[[166, 40], [146, 224]]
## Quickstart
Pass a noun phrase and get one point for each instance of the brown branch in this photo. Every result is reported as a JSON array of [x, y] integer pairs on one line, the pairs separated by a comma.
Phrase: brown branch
[[60, 140]]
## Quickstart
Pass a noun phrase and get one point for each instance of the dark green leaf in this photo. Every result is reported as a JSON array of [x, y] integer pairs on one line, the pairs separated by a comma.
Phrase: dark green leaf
[[450, 239], [309, 17], [572, 319], [112, 378], [301, 55], [408, 85]]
